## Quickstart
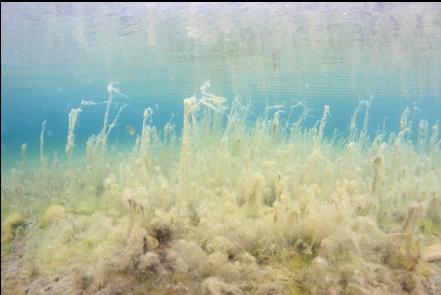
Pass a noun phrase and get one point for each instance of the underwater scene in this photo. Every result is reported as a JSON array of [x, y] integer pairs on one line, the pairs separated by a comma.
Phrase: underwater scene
[[220, 148]]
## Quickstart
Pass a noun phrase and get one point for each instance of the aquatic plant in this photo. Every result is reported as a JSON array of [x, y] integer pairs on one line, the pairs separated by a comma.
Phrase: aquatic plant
[[9, 225], [73, 117], [43, 130], [238, 206], [52, 214], [97, 144]]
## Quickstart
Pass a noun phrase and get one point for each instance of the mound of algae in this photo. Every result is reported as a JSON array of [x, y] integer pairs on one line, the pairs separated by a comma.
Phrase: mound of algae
[[9, 226], [52, 214]]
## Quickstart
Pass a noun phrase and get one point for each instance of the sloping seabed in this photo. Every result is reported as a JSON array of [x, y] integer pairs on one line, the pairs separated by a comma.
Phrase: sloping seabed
[[229, 207]]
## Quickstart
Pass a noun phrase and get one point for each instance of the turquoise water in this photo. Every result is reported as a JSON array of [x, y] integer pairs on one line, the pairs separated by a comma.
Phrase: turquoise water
[[55, 55]]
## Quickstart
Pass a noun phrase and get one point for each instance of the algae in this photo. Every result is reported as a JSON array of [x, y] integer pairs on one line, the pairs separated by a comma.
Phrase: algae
[[239, 206]]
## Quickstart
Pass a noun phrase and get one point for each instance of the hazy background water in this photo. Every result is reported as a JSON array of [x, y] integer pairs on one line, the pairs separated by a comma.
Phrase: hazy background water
[[53, 55]]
